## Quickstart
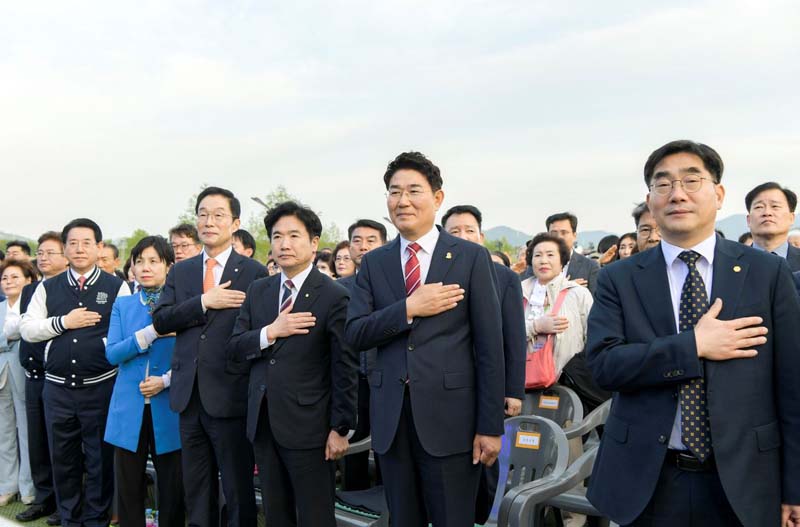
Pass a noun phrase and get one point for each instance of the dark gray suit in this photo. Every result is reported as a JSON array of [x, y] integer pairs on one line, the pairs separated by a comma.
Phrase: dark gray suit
[[793, 258]]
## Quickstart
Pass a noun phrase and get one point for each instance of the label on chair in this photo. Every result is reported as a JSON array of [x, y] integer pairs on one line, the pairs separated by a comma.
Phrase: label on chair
[[528, 440], [549, 402]]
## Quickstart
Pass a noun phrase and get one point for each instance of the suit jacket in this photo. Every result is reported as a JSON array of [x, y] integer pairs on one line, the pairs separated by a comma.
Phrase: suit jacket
[[200, 347], [515, 342], [793, 258], [797, 281], [753, 404], [125, 412], [582, 267], [367, 358], [309, 381], [31, 354], [454, 358]]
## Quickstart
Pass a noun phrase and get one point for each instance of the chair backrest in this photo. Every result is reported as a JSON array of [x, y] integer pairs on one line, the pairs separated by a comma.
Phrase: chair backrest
[[533, 447], [557, 403]]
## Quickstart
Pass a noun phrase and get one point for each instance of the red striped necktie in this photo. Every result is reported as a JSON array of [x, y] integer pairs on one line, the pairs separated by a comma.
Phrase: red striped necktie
[[287, 295], [412, 271]]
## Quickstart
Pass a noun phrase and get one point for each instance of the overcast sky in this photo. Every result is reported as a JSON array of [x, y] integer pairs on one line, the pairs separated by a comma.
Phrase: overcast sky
[[530, 107]]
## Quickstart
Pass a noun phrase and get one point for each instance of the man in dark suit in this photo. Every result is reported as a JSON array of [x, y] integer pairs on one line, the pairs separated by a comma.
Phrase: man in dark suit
[[427, 301], [770, 216], [465, 221], [797, 281], [697, 339], [200, 302], [302, 402], [51, 262], [364, 235]]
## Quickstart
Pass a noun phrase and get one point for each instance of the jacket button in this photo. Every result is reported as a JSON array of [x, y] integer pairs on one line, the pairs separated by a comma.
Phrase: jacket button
[[272, 361], [195, 360], [73, 375], [73, 384], [662, 439], [80, 303], [74, 361], [202, 337], [262, 387], [410, 347], [74, 340]]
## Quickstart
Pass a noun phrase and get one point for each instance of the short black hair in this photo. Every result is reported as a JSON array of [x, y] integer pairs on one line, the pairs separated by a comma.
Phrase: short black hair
[[233, 201], [186, 230], [162, 247], [561, 216], [247, 240], [503, 256], [51, 236], [85, 223], [368, 224], [325, 258], [638, 212], [114, 249], [464, 209], [291, 208], [711, 159], [745, 236], [607, 242], [2, 255], [22, 244], [563, 250], [127, 267], [791, 197], [414, 161]]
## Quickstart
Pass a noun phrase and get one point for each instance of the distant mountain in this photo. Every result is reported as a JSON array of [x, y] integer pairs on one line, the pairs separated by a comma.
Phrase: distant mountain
[[9, 236], [513, 236], [591, 237]]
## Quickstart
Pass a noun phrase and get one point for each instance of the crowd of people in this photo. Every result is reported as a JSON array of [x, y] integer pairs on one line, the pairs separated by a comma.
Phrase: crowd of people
[[194, 355]]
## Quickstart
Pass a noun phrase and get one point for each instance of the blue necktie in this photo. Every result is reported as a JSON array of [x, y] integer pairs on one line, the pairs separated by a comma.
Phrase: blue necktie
[[695, 427]]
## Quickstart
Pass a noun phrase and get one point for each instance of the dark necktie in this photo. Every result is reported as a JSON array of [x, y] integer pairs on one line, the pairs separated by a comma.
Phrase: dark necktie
[[286, 299], [695, 427], [412, 270]]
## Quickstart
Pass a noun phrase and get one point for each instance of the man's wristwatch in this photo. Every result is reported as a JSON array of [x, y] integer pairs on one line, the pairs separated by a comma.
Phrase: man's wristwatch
[[342, 430]]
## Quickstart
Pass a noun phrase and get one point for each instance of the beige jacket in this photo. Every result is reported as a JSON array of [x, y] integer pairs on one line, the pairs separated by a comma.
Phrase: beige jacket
[[575, 308]]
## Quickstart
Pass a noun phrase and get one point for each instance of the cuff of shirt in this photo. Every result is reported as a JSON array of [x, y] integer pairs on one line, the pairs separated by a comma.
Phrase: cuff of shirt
[[203, 305], [167, 379], [264, 342], [146, 336]]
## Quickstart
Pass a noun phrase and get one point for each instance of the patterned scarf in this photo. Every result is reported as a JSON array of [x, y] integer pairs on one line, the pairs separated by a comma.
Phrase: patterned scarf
[[150, 296]]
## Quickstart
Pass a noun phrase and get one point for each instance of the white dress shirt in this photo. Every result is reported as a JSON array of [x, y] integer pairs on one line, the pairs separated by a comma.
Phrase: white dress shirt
[[297, 282], [677, 271], [222, 260]]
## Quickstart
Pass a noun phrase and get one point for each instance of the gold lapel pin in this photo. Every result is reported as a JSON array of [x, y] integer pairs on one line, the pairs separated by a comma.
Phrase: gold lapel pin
[[736, 268], [448, 256]]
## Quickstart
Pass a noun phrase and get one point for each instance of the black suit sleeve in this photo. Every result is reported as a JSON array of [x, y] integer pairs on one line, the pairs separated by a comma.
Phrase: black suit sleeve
[[594, 270], [786, 346], [367, 328], [487, 335], [344, 369], [621, 366], [514, 338], [245, 341], [170, 316]]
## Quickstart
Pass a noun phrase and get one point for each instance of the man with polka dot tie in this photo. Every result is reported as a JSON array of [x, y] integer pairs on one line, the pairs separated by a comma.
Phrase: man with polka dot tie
[[698, 340]]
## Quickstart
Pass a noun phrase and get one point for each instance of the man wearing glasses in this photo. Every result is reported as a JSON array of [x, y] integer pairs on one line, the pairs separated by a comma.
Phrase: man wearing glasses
[[200, 302], [647, 233], [51, 262], [697, 338], [185, 241]]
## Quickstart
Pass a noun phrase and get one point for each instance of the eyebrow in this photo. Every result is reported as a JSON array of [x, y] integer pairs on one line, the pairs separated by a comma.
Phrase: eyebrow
[[688, 170]]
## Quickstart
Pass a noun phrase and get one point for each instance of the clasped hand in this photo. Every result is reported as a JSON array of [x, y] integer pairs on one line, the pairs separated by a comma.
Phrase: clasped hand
[[727, 339], [431, 299], [288, 324], [220, 297]]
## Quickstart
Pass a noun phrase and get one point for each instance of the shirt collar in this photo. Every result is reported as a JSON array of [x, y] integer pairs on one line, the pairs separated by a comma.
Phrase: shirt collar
[[781, 250], [221, 258], [427, 242], [704, 248], [299, 279]]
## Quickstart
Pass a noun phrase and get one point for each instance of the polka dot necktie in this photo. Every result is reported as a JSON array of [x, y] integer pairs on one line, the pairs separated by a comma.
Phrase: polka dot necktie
[[695, 427]]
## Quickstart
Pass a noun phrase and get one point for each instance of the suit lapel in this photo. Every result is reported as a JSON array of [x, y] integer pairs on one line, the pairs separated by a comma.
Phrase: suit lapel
[[389, 262], [730, 273], [196, 274], [443, 256], [306, 297], [231, 271], [651, 282]]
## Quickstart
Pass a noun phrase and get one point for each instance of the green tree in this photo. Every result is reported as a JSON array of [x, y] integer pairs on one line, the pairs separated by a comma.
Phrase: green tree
[[127, 244], [502, 245]]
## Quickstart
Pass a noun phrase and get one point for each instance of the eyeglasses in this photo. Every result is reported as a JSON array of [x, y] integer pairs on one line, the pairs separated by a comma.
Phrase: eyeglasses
[[690, 184], [181, 246], [646, 231], [345, 258], [48, 254], [397, 194], [202, 217]]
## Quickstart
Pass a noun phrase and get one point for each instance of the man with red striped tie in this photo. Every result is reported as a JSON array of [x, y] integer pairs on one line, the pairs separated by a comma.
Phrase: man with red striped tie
[[427, 301]]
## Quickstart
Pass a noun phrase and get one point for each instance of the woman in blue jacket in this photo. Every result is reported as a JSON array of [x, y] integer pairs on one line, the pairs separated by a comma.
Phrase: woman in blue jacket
[[139, 419]]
